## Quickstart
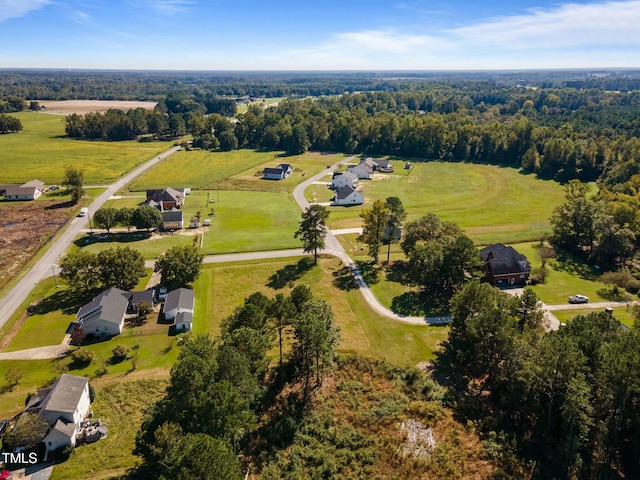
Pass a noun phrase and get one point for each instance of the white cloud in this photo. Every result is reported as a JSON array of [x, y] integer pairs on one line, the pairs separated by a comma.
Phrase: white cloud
[[18, 8], [570, 35], [171, 7], [82, 18]]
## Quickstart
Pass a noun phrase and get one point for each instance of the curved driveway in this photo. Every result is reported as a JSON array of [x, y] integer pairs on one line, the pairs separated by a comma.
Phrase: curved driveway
[[43, 267]]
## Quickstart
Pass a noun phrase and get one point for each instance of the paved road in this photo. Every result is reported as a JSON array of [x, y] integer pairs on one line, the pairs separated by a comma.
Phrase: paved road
[[43, 267]]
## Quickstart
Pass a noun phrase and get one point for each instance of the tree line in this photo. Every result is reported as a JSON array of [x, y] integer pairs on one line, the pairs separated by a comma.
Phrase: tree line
[[218, 390], [562, 404]]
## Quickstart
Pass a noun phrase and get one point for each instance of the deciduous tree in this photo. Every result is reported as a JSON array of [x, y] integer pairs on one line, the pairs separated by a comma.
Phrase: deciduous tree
[[179, 266], [374, 222], [106, 218], [147, 217], [74, 181]]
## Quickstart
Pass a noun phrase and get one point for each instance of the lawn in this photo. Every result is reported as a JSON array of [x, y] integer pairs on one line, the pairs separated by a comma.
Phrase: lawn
[[235, 170], [362, 331], [567, 276], [263, 102], [491, 203], [41, 150], [243, 221], [622, 314]]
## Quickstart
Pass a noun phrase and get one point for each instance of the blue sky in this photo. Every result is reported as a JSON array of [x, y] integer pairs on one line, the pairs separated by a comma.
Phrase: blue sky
[[327, 35]]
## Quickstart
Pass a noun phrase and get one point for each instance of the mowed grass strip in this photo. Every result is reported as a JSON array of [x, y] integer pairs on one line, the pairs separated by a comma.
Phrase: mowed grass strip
[[362, 331], [243, 221], [42, 151], [491, 203]]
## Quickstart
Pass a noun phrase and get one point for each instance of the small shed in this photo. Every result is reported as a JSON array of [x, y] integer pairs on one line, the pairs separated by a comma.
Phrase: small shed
[[194, 222]]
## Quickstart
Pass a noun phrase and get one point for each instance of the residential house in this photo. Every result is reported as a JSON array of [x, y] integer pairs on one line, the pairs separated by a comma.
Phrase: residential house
[[172, 220], [136, 298], [104, 315], [27, 191], [363, 170], [167, 198], [183, 321], [340, 179], [178, 301], [280, 172], [504, 266], [347, 195], [64, 406], [384, 166]]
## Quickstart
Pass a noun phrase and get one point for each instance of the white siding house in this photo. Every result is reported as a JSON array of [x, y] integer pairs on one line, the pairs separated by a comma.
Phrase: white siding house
[[348, 196], [342, 179], [178, 301]]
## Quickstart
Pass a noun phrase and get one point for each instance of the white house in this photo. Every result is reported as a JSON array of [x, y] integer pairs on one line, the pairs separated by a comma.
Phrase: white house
[[363, 170], [344, 178], [64, 406], [183, 321], [104, 315], [27, 191], [280, 172], [178, 301], [347, 195]]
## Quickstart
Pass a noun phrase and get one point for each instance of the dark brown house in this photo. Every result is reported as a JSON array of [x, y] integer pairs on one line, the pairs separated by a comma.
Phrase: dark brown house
[[167, 198], [504, 266]]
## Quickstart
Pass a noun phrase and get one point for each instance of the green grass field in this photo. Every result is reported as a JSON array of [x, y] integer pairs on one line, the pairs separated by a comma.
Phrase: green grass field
[[243, 221], [41, 150], [622, 314], [567, 276], [491, 203], [361, 330], [235, 170]]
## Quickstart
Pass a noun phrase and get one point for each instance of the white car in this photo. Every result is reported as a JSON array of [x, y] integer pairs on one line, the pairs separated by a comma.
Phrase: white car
[[84, 211], [578, 299]]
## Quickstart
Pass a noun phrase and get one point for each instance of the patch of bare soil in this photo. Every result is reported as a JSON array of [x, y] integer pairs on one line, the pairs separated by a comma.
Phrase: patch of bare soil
[[67, 107], [24, 228]]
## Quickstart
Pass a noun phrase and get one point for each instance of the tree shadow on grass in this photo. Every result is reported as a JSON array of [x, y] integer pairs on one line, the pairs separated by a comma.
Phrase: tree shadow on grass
[[420, 304], [288, 274], [574, 265], [612, 295], [369, 271], [112, 238], [343, 279], [65, 300]]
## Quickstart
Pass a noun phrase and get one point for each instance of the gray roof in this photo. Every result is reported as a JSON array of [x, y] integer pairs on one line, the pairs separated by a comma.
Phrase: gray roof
[[273, 171], [19, 190], [65, 393], [165, 195], [350, 175], [362, 167], [173, 215], [502, 260], [180, 298], [285, 166], [183, 317], [136, 298], [110, 305], [33, 183], [66, 428], [344, 191]]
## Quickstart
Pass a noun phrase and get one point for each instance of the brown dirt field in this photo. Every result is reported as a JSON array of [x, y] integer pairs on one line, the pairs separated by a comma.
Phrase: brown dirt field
[[24, 228], [67, 107]]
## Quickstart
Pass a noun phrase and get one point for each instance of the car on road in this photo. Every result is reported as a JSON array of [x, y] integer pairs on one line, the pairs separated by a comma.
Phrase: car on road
[[578, 299], [84, 211]]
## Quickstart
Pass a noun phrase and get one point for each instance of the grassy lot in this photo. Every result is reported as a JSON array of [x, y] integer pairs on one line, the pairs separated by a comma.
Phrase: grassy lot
[[622, 314], [264, 102], [121, 406], [41, 150], [244, 221], [567, 276], [492, 204], [235, 170], [362, 331], [200, 169]]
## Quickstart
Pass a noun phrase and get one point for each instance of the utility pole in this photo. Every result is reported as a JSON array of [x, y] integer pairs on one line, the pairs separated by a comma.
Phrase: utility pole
[[53, 269]]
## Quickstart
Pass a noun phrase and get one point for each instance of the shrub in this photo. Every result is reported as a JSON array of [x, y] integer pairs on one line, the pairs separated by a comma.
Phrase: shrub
[[119, 353], [82, 358], [622, 279]]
